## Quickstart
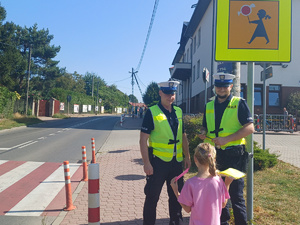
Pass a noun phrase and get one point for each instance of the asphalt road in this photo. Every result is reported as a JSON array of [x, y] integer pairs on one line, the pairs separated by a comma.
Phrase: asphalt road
[[56, 140], [40, 150]]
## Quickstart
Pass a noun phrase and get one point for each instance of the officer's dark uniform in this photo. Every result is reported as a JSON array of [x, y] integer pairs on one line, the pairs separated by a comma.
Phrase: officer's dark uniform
[[162, 171], [234, 159]]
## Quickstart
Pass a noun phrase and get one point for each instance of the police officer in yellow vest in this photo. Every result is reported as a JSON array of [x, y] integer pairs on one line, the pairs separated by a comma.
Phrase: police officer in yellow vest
[[226, 122], [163, 129]]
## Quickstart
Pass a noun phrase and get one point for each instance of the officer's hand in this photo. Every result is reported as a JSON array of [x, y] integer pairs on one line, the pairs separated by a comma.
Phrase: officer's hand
[[187, 163], [220, 141], [148, 169], [202, 136]]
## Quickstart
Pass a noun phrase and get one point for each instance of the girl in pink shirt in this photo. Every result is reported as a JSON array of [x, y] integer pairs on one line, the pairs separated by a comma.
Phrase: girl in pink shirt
[[205, 194]]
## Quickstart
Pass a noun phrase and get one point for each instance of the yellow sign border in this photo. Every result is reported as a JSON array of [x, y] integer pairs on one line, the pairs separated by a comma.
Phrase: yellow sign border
[[283, 54]]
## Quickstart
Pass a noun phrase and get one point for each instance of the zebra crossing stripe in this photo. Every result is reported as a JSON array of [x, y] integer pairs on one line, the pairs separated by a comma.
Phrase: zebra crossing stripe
[[38, 199], [9, 165], [12, 195], [14, 175]]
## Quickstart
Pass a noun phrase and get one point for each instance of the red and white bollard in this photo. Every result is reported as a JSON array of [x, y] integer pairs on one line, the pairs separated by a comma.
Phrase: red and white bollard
[[84, 164], [69, 202], [94, 195], [93, 151], [122, 119]]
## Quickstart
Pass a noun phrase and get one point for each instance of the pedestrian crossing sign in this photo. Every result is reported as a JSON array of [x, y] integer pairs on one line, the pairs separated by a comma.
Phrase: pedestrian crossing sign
[[253, 31]]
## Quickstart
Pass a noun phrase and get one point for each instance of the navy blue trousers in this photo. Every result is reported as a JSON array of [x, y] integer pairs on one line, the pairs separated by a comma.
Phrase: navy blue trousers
[[238, 204], [162, 172], [226, 160]]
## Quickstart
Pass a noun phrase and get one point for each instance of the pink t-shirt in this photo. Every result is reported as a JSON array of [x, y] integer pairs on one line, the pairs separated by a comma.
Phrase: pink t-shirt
[[205, 197]]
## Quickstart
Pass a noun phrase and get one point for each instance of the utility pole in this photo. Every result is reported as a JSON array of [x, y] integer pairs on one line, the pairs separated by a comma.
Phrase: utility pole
[[97, 97], [93, 86], [236, 68], [28, 77], [132, 83]]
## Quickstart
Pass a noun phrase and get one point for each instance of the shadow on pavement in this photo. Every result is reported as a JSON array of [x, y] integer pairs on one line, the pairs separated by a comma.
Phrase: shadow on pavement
[[118, 151], [140, 222], [138, 161], [130, 177]]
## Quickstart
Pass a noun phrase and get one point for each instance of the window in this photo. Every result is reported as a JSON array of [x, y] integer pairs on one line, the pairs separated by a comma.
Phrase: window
[[242, 93], [194, 44], [199, 37], [257, 95], [188, 55], [191, 56], [193, 73], [198, 69], [274, 95]]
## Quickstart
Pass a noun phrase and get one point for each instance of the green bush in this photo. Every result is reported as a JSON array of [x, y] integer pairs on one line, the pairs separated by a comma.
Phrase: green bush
[[262, 158], [192, 124], [7, 102]]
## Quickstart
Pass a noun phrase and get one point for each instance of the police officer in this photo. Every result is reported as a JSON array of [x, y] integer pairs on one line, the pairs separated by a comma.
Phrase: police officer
[[163, 128], [227, 121]]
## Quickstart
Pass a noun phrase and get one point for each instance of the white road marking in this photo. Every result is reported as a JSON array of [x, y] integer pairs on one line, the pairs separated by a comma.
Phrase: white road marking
[[3, 161], [38, 199], [17, 173], [28, 144], [22, 144]]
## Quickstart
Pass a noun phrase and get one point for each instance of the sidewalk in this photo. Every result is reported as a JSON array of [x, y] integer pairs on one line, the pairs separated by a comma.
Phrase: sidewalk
[[122, 182], [122, 179]]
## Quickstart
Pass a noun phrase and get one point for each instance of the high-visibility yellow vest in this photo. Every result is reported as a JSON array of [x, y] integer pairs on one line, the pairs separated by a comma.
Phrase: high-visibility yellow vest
[[229, 122], [162, 133]]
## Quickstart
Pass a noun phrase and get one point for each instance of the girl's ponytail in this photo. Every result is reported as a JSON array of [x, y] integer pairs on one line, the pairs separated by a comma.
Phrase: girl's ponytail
[[205, 153]]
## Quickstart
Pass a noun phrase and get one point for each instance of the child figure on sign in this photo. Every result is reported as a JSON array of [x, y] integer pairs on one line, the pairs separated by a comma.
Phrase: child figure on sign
[[205, 194]]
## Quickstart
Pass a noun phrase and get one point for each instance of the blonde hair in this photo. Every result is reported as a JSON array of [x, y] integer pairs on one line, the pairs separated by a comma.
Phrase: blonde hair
[[205, 154]]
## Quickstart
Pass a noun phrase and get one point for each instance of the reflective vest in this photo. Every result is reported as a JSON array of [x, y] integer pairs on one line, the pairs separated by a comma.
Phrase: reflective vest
[[162, 139], [229, 122]]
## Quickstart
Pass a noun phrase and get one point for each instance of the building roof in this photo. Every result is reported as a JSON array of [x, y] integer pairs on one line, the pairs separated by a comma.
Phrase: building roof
[[189, 28]]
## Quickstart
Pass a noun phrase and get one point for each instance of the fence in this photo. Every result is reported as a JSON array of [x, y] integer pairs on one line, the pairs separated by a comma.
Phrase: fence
[[275, 122]]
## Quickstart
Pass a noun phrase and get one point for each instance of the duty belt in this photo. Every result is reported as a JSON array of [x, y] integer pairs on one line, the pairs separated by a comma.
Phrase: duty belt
[[172, 141]]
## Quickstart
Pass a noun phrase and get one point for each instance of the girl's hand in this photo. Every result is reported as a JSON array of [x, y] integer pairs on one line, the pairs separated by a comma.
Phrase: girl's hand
[[174, 185], [228, 181]]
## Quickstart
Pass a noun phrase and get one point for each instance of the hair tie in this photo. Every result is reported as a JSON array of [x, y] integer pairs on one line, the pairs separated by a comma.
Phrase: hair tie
[[209, 155]]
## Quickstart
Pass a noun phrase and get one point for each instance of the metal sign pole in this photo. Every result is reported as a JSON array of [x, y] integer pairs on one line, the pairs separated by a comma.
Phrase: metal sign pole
[[250, 101], [264, 107]]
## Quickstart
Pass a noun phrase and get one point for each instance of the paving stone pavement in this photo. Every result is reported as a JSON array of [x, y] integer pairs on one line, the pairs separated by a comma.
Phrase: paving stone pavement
[[284, 144], [122, 178], [122, 182]]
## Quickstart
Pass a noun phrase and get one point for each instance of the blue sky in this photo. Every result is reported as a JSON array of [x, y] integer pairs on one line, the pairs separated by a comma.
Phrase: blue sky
[[107, 37]]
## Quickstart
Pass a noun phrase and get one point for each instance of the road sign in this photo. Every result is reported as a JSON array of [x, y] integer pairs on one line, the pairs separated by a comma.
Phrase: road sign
[[205, 75], [268, 73], [253, 31], [225, 67], [69, 98]]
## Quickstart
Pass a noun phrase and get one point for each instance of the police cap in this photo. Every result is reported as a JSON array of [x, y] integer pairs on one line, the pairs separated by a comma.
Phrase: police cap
[[223, 79], [169, 87]]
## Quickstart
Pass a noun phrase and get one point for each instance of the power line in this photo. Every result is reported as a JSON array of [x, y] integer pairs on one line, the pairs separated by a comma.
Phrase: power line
[[133, 73], [148, 34], [119, 80]]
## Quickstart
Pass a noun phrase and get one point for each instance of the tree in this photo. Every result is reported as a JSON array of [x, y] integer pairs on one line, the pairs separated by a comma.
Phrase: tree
[[88, 79], [151, 95], [293, 103], [42, 54], [12, 63], [133, 99], [2, 14]]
